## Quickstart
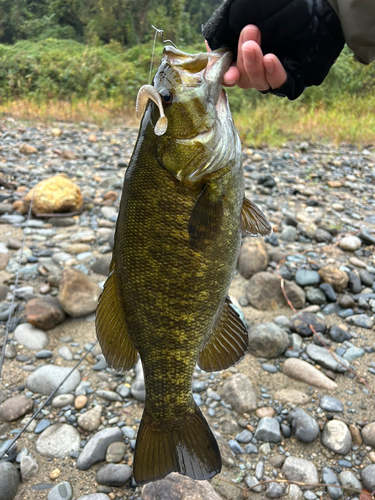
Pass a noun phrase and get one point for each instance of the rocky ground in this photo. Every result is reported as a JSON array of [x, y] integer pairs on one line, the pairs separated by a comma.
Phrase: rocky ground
[[291, 409]]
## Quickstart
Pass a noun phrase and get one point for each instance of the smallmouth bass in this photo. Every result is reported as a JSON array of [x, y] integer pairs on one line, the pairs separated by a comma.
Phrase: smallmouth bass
[[177, 241]]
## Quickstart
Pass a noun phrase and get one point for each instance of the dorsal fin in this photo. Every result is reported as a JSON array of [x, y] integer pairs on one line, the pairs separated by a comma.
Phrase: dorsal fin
[[228, 343]]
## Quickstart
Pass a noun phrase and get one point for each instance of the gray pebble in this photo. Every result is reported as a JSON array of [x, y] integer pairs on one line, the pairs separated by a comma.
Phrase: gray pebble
[[96, 448], [301, 470], [304, 426], [305, 277], [235, 447], [252, 482], [29, 467], [329, 403], [329, 477], [62, 491], [368, 477], [336, 437], [114, 474], [244, 437], [10, 480], [348, 479], [47, 378], [268, 430]]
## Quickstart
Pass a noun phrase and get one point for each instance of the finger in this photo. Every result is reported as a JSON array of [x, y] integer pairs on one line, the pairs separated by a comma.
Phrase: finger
[[250, 33], [274, 71], [207, 46], [231, 77], [252, 66]]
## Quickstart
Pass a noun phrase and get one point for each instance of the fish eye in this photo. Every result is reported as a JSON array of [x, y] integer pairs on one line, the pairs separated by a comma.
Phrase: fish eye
[[167, 97]]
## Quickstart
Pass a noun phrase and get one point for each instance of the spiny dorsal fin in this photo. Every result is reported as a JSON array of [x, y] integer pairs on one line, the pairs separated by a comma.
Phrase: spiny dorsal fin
[[228, 343], [253, 220], [111, 328], [205, 219]]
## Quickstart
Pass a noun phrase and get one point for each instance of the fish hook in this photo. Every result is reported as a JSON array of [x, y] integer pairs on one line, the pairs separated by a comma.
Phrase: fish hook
[[161, 33]]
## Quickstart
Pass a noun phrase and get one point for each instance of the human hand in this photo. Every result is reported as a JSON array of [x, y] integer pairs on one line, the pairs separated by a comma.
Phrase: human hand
[[253, 69]]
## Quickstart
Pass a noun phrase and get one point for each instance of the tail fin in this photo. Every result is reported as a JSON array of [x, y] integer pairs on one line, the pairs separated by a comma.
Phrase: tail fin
[[186, 446]]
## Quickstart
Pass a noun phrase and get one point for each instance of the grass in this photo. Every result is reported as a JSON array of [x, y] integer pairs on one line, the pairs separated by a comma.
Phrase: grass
[[63, 80], [272, 121]]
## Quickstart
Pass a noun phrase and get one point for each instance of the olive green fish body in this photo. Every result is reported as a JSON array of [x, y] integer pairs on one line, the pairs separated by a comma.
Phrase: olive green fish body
[[177, 241]]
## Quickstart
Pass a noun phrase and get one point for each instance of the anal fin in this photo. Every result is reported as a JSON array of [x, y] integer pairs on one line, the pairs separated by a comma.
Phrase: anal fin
[[253, 220], [205, 219], [228, 343], [111, 328]]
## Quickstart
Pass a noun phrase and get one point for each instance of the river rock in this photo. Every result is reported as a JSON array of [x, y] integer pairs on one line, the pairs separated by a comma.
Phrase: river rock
[[253, 257], [301, 370], [62, 491], [114, 474], [96, 448], [15, 408], [291, 396], [349, 480], [101, 265], [268, 430], [368, 434], [329, 477], [267, 340], [78, 295], [47, 378], [300, 324], [30, 337], [58, 441], [56, 194], [177, 487], [44, 313], [350, 243], [10, 481], [239, 392], [324, 358], [300, 470], [336, 437], [305, 277], [338, 334], [331, 404], [264, 292], [29, 467], [338, 279], [304, 426], [368, 477], [90, 419]]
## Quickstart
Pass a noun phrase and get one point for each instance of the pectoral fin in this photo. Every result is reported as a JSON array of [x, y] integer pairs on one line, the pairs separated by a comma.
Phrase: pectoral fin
[[228, 343], [111, 328], [253, 220], [205, 219]]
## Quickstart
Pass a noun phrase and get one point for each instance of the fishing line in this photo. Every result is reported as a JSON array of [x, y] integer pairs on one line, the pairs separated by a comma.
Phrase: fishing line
[[161, 33], [47, 400], [15, 287]]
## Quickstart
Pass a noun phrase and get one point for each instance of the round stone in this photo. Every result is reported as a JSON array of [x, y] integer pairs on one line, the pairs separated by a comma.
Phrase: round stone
[[304, 426], [336, 437], [268, 430], [350, 243], [58, 441], [62, 400], [368, 434], [62, 491], [10, 481], [15, 408], [267, 340], [47, 378], [331, 404], [80, 402], [114, 474], [239, 392], [305, 277], [30, 337], [368, 477], [300, 470]]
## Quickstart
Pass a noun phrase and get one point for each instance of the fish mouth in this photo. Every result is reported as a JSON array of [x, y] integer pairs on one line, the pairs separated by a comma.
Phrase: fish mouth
[[193, 68]]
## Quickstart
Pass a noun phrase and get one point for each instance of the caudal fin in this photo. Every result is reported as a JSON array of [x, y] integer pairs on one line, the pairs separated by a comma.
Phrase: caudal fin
[[186, 446]]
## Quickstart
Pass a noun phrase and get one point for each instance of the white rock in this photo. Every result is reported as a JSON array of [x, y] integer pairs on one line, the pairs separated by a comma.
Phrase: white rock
[[30, 337]]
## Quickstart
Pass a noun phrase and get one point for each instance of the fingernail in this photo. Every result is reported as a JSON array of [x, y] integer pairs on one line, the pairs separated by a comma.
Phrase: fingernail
[[250, 54], [270, 67], [230, 83]]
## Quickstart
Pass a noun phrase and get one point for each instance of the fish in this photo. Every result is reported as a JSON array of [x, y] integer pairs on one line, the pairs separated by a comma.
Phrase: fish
[[178, 235]]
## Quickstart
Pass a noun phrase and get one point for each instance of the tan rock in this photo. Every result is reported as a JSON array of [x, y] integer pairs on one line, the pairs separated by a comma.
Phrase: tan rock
[[265, 411], [301, 370], [44, 313], [264, 292], [4, 260], [253, 257], [93, 138], [78, 295], [334, 184], [356, 434], [57, 132], [80, 402], [56, 194], [338, 279], [27, 149], [68, 155], [77, 248], [291, 396], [90, 420]]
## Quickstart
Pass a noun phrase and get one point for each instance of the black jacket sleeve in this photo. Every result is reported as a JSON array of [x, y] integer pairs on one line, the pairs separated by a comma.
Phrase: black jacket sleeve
[[305, 35]]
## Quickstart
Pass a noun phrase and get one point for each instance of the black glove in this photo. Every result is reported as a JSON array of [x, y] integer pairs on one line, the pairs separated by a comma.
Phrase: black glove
[[305, 35]]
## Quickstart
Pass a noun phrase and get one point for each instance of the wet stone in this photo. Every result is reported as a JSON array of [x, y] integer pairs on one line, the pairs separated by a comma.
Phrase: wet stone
[[324, 358], [315, 296], [10, 481], [328, 291], [328, 403], [338, 334], [15, 408], [353, 353], [329, 477], [354, 282], [362, 321], [268, 430], [336, 437], [62, 491], [305, 277], [301, 326]]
